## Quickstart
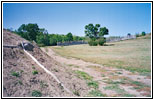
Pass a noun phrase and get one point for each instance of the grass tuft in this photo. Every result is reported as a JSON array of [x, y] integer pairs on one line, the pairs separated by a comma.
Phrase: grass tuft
[[93, 84], [34, 72], [96, 93], [36, 93], [83, 75], [15, 74]]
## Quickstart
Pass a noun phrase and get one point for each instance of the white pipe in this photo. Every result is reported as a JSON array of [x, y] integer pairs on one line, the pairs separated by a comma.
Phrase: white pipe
[[47, 71]]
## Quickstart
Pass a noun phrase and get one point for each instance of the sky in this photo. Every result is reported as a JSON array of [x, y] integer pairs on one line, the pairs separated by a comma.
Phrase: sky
[[62, 18]]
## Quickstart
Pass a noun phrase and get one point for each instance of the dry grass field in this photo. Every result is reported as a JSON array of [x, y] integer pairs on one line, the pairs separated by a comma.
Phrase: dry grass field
[[132, 55]]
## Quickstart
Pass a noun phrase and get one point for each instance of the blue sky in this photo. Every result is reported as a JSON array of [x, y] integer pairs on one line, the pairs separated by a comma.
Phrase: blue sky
[[61, 18]]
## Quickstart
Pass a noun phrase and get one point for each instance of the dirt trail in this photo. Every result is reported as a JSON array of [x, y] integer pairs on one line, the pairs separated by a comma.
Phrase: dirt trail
[[104, 75]]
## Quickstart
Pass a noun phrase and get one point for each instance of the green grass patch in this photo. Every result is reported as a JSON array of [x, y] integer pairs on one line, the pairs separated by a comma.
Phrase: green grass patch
[[33, 67], [76, 93], [15, 74], [71, 65], [36, 93], [20, 82], [96, 93], [128, 95], [115, 87], [109, 81], [139, 85], [83, 75], [103, 75], [34, 72], [93, 84], [119, 72]]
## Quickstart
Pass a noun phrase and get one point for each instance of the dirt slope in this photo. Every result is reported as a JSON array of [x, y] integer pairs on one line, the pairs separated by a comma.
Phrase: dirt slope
[[19, 81]]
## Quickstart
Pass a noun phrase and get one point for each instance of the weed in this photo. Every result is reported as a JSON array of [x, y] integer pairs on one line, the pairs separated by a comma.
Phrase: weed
[[33, 67], [56, 70], [36, 93], [139, 85], [70, 65], [115, 82], [93, 84], [21, 71], [43, 84], [35, 72], [76, 93], [115, 87], [83, 75], [103, 75], [20, 82], [118, 72], [96, 93], [15, 74], [128, 95]]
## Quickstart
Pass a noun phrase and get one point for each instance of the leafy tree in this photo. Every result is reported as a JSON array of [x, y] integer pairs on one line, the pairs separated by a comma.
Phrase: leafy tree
[[59, 38], [101, 41], [52, 39], [42, 38], [103, 31], [143, 33], [29, 31], [96, 32], [75, 38], [69, 36]]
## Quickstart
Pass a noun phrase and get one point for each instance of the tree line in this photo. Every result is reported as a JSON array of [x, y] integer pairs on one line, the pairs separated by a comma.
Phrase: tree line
[[32, 32]]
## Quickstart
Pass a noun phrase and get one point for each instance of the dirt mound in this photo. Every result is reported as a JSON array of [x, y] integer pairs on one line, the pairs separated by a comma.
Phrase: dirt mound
[[22, 77]]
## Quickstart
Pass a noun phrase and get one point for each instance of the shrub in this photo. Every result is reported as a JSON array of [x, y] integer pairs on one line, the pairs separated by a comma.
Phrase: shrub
[[35, 72], [93, 84], [93, 43], [36, 93], [76, 93], [15, 74], [101, 41], [137, 35], [33, 67]]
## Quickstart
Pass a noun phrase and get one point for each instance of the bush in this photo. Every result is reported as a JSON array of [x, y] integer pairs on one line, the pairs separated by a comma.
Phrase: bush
[[93, 43], [15, 74], [137, 35], [41, 45], [35, 72], [101, 41], [36, 93]]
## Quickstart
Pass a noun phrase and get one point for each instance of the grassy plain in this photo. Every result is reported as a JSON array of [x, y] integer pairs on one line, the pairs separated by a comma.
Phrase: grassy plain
[[133, 55]]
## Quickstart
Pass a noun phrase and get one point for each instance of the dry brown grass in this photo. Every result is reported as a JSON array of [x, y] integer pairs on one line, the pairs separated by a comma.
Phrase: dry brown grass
[[132, 55]]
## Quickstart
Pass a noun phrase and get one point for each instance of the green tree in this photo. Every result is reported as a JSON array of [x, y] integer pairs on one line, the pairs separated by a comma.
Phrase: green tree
[[143, 33], [52, 39], [96, 32], [29, 31], [69, 36], [75, 38], [42, 38]]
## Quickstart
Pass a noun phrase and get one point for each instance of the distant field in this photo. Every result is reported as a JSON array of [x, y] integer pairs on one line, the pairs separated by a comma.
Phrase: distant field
[[132, 55]]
